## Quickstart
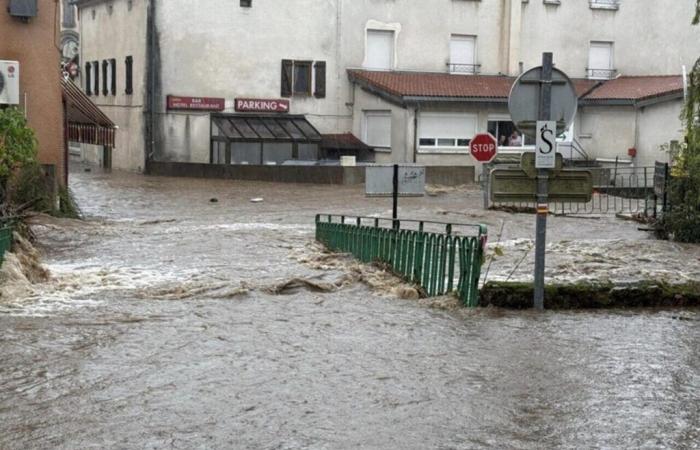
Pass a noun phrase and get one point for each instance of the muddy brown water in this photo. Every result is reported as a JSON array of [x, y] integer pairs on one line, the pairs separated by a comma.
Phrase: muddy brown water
[[157, 331]]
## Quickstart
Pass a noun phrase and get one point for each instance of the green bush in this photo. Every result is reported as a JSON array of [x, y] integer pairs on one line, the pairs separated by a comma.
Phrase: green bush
[[17, 145]]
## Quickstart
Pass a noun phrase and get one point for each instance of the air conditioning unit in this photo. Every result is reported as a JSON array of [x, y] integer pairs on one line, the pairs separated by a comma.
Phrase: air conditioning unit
[[9, 83]]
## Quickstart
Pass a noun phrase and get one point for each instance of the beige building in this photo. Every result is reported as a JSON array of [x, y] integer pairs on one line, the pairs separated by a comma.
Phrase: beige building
[[413, 80]]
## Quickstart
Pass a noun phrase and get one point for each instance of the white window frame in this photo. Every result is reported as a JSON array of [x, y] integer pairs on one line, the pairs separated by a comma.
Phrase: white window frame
[[392, 51], [474, 66], [507, 148], [453, 149], [376, 113], [611, 63]]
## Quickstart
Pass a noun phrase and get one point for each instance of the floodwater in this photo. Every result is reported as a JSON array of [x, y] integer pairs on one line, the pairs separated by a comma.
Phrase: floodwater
[[171, 321]]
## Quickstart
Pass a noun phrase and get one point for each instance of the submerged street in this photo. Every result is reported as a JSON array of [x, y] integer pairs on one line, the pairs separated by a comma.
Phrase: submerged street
[[173, 321]]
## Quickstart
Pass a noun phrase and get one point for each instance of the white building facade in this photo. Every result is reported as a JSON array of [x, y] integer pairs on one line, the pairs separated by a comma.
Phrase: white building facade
[[412, 80]]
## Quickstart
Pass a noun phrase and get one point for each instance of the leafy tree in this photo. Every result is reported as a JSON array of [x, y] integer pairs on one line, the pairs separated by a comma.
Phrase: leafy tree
[[17, 144], [696, 19]]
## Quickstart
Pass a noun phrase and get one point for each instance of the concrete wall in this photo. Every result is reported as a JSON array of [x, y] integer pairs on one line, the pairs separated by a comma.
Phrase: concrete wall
[[33, 44], [115, 30], [650, 38], [607, 132], [657, 125]]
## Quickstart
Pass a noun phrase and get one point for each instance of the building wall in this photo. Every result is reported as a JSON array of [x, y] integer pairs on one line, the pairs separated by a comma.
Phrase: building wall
[[116, 30], [657, 125], [33, 44], [607, 131], [650, 38]]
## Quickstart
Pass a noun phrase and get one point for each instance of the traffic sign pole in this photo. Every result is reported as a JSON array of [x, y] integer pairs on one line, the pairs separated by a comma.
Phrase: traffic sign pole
[[545, 112]]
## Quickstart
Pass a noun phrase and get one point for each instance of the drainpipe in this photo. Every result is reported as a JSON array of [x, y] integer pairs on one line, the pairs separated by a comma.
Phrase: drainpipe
[[415, 134], [152, 69]]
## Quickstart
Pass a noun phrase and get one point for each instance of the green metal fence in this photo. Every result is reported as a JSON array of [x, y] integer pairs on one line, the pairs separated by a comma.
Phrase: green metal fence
[[441, 261], [5, 239]]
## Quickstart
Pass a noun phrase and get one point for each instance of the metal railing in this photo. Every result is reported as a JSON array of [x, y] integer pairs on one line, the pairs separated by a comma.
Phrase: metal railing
[[470, 69], [440, 262], [5, 239], [600, 74], [616, 190]]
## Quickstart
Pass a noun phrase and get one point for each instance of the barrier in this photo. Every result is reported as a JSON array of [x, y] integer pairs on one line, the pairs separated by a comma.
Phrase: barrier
[[5, 240], [439, 261]]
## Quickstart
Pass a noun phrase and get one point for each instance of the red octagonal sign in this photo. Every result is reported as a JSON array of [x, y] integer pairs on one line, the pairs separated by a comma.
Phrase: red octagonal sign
[[483, 147]]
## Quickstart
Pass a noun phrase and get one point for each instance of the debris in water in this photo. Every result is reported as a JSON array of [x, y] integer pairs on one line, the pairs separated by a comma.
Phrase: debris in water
[[257, 200], [293, 285], [213, 200]]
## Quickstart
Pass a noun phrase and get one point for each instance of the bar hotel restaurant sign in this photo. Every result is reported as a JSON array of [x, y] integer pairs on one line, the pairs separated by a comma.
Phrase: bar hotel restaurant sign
[[219, 104]]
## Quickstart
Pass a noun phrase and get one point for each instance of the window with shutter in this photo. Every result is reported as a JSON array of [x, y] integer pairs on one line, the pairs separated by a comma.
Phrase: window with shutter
[[128, 78], [287, 75], [88, 78], [302, 78], [96, 84], [113, 79], [377, 129], [380, 50], [320, 79], [600, 61]]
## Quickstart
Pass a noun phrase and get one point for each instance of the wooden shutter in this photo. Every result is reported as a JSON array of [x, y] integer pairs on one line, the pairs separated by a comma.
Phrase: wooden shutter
[[88, 78], [96, 70], [128, 65], [105, 81], [320, 79], [113, 69], [287, 69]]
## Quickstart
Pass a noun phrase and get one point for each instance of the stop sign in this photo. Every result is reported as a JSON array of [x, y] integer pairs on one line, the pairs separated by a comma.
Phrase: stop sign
[[483, 147]]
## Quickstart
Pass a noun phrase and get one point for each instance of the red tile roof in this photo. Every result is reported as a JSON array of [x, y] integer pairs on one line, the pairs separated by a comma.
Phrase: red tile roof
[[422, 84], [343, 141], [637, 88]]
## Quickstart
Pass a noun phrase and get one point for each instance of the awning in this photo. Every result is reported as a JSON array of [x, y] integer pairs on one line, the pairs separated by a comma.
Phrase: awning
[[86, 122], [265, 128], [343, 141]]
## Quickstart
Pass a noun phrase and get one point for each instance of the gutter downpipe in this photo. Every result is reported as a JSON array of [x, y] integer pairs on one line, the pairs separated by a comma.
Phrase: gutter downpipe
[[149, 138], [415, 134]]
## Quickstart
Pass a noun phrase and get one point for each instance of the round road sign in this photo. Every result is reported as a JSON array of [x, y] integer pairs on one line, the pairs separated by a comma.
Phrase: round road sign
[[483, 147], [524, 101]]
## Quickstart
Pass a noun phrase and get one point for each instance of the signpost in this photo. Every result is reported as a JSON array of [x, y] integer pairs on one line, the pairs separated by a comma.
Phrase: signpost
[[261, 105], [483, 147], [395, 181], [195, 103], [542, 105]]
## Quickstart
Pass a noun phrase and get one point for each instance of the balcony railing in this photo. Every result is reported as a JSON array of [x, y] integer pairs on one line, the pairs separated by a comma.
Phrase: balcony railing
[[604, 4], [466, 69], [600, 74]]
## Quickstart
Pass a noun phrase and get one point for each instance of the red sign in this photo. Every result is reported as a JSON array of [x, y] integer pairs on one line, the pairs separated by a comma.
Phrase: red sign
[[196, 103], [483, 147], [261, 105]]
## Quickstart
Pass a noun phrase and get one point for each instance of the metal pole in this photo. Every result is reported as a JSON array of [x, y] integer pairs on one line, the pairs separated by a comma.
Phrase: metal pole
[[395, 195], [545, 109]]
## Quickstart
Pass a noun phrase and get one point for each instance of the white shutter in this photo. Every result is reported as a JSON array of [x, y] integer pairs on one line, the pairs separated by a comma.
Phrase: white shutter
[[456, 126], [462, 50], [380, 50], [600, 56], [378, 128]]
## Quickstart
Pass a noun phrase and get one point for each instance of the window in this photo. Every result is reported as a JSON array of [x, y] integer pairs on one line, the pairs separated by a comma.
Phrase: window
[[379, 54], [128, 78], [463, 54], [302, 78], [113, 76], [446, 131], [297, 78], [506, 134], [246, 3], [96, 72], [377, 129], [600, 61], [88, 78]]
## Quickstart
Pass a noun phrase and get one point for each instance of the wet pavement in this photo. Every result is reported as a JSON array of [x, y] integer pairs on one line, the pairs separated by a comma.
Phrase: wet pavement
[[171, 321]]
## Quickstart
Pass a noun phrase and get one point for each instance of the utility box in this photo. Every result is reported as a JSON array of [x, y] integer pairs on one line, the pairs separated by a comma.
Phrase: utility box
[[9, 83], [22, 8]]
